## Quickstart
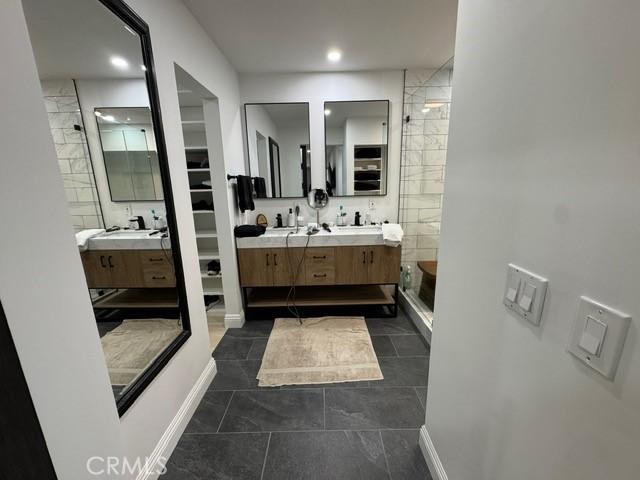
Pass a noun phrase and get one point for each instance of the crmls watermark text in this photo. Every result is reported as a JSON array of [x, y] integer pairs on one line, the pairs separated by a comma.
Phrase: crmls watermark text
[[97, 466]]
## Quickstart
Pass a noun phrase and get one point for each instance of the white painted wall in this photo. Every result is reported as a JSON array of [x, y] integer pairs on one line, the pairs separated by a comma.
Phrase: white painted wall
[[93, 94], [42, 286], [316, 88], [542, 170]]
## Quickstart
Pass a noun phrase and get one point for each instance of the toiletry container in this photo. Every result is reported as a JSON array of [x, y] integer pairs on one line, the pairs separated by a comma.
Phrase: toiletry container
[[291, 222]]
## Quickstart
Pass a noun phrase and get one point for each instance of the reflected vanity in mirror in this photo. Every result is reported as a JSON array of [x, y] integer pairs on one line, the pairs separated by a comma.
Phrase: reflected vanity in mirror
[[278, 146], [356, 140], [129, 154], [103, 109]]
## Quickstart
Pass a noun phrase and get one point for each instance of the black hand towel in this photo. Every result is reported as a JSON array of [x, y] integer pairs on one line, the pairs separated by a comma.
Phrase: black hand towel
[[260, 186], [245, 193]]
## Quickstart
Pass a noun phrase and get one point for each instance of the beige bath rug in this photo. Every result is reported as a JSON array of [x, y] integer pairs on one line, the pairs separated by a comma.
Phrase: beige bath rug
[[133, 345], [321, 350]]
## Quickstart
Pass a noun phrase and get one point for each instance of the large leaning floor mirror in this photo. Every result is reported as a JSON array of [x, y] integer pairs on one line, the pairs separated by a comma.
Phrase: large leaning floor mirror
[[95, 65]]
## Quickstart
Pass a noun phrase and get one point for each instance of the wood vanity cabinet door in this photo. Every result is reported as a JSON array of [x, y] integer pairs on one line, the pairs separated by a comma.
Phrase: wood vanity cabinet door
[[384, 264], [96, 270], [125, 267], [352, 266], [283, 264], [255, 267]]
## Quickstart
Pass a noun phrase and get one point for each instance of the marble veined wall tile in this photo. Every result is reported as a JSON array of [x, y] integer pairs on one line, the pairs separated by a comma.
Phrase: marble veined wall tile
[[70, 150], [64, 119], [436, 126], [434, 157], [431, 142], [57, 88]]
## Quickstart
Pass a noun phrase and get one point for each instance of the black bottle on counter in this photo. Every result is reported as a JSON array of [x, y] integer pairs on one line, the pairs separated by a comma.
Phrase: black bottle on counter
[[357, 221], [279, 221]]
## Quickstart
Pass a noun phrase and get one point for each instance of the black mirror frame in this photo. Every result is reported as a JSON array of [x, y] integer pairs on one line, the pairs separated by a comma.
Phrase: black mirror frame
[[246, 136], [139, 26], [386, 185]]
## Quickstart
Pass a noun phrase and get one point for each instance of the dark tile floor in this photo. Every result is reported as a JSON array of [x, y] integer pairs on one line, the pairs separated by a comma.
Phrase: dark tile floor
[[342, 431]]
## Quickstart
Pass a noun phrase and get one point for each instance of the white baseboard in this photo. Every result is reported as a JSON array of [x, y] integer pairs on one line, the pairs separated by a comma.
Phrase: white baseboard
[[431, 456], [234, 320], [176, 428]]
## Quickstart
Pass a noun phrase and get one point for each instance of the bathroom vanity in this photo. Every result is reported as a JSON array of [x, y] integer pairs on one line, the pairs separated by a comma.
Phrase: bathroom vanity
[[348, 256], [128, 259]]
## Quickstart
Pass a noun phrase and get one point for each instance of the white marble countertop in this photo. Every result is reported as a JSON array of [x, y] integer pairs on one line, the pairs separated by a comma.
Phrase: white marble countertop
[[276, 237], [128, 240]]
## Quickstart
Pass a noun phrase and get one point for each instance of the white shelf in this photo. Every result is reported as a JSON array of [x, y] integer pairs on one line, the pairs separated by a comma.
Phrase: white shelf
[[200, 212], [206, 275], [195, 147], [208, 255], [192, 122], [213, 292], [206, 234], [198, 170], [200, 190]]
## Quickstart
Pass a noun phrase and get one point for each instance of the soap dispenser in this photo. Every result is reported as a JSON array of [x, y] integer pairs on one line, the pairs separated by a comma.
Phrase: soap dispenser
[[357, 219], [291, 221]]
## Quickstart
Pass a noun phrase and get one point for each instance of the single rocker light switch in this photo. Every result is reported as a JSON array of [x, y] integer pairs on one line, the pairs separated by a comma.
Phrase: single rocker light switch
[[527, 297], [512, 289], [593, 335]]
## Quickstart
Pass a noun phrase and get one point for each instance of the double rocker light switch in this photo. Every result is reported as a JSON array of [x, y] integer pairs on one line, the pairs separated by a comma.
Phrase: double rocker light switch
[[524, 293]]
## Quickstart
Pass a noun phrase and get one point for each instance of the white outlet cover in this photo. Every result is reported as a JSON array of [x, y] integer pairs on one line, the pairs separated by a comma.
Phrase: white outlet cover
[[525, 280], [610, 351]]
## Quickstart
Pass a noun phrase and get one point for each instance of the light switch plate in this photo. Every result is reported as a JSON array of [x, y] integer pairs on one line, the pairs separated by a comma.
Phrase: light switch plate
[[530, 290], [613, 330]]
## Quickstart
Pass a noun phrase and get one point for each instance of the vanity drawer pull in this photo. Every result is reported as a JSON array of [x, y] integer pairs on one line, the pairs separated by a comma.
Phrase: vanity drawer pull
[[275, 259], [371, 256], [319, 257], [267, 255], [109, 260], [364, 257], [156, 259], [102, 261], [317, 275], [155, 277]]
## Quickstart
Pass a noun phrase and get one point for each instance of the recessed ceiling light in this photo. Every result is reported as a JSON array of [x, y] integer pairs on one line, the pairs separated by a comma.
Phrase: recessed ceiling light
[[143, 68], [327, 111], [128, 119], [109, 118], [119, 62], [334, 55], [98, 114]]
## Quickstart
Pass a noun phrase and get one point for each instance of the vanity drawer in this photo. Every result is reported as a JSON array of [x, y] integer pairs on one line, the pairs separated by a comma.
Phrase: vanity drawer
[[154, 258], [158, 277], [320, 266]]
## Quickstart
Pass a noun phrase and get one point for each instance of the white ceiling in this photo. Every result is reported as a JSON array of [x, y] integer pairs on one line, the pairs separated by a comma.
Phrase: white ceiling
[[77, 38], [294, 35]]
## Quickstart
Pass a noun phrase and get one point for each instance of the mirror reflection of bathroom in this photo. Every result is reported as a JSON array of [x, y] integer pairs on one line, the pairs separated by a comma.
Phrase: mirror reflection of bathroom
[[356, 139], [98, 106], [279, 150]]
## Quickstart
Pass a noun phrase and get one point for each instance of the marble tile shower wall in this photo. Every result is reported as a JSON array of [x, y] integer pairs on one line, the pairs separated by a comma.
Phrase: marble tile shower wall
[[424, 152], [63, 109]]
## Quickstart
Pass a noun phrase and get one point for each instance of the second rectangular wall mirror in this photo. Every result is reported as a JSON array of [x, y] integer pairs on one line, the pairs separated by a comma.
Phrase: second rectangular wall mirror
[[356, 141], [278, 145]]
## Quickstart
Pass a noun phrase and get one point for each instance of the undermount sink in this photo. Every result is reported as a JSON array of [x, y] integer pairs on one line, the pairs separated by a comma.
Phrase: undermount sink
[[128, 240]]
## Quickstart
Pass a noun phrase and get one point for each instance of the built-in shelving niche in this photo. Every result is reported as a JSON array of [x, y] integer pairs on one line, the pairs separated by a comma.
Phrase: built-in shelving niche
[[203, 208]]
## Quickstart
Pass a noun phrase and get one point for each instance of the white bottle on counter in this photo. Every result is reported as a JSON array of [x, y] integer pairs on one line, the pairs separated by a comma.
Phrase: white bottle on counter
[[291, 221]]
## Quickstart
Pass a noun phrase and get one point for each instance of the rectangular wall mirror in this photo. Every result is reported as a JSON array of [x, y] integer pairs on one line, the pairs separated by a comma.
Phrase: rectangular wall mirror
[[356, 139], [279, 148], [129, 153], [95, 66]]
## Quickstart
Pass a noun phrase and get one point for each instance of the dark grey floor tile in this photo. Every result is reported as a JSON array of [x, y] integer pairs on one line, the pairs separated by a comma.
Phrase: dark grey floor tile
[[404, 457], [361, 408], [268, 411], [422, 395], [236, 375], [391, 326], [382, 346], [325, 455], [403, 371], [209, 413], [218, 457], [257, 348], [410, 345], [105, 327], [231, 348], [251, 329]]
